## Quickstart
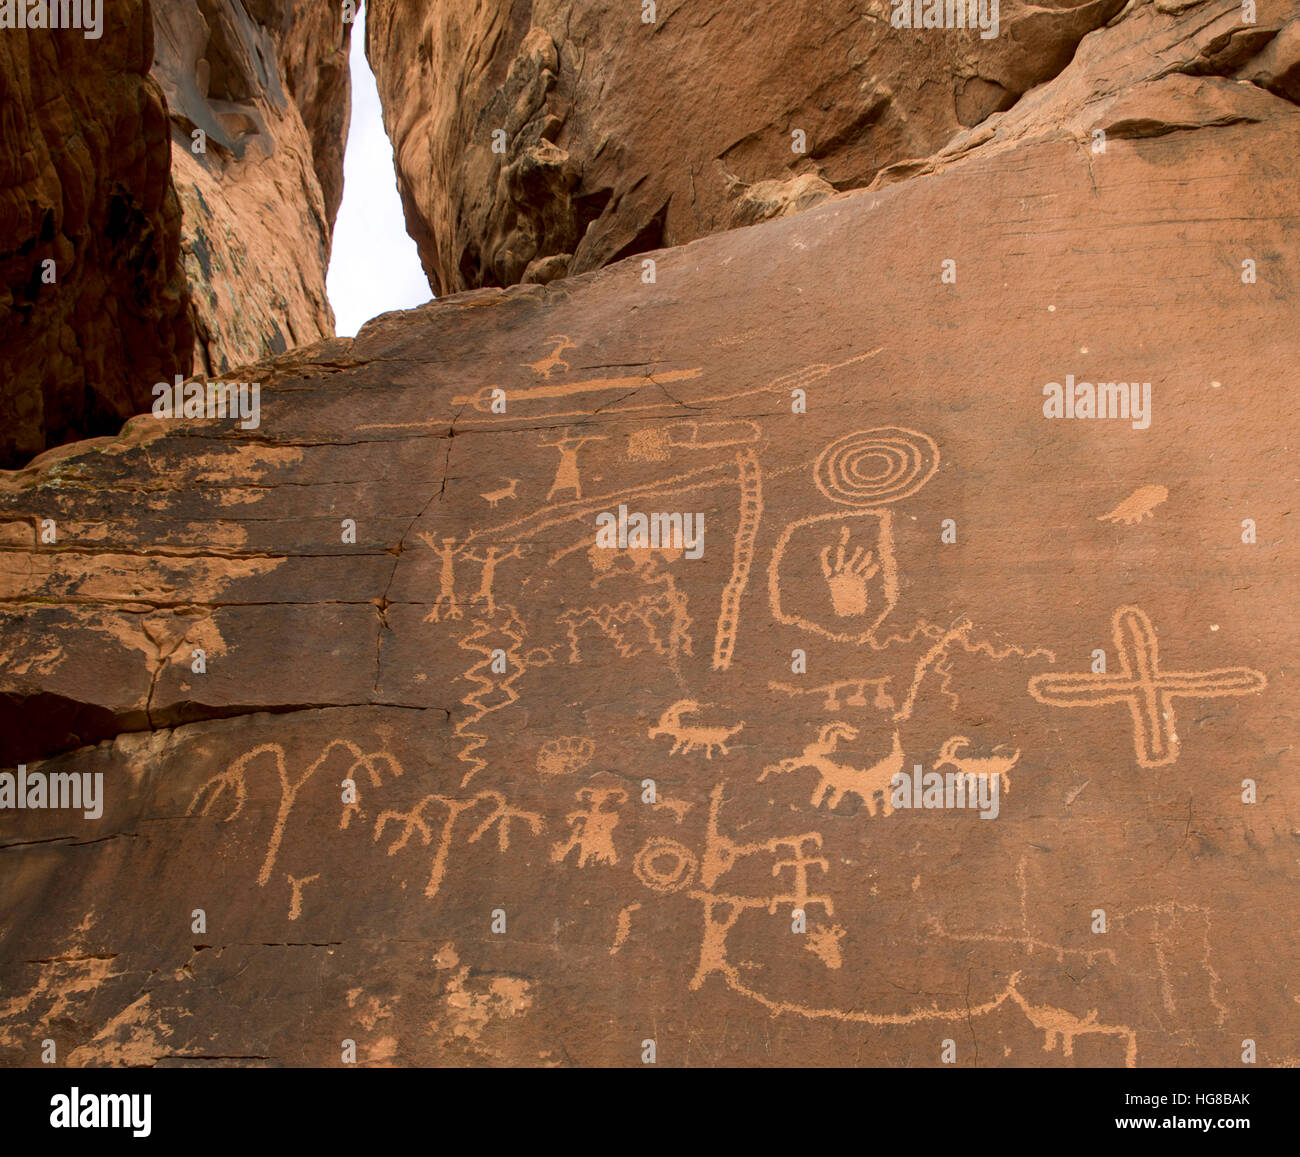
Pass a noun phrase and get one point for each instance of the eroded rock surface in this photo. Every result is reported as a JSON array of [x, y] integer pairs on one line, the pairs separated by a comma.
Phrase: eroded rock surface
[[266, 82], [93, 302], [126, 259], [919, 568], [621, 136]]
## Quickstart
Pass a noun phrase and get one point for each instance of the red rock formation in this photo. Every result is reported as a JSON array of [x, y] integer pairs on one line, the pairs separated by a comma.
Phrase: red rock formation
[[93, 304], [367, 671], [622, 136], [103, 291], [266, 82]]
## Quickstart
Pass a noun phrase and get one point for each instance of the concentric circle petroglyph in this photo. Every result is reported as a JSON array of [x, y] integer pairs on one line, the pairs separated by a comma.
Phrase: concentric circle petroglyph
[[665, 865], [871, 467]]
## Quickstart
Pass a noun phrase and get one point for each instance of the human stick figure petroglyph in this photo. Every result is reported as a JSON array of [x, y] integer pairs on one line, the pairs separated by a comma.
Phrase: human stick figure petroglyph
[[1141, 686], [592, 828], [489, 558], [567, 474]]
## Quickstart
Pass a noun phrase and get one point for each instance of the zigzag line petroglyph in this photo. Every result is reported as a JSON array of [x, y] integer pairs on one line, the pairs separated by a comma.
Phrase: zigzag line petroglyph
[[510, 634]]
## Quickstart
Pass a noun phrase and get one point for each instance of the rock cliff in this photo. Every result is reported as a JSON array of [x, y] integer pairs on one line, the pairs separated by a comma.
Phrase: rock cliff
[[93, 301], [983, 475], [265, 85]]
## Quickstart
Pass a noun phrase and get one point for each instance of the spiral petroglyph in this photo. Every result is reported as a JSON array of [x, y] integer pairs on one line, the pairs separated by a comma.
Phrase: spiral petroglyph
[[872, 467]]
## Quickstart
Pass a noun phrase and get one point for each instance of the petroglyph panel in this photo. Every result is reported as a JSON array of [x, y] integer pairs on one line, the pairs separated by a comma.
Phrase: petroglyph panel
[[507, 794]]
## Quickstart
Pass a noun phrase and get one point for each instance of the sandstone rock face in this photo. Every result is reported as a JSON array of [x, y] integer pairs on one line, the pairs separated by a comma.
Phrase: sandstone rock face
[[621, 136], [450, 778], [266, 82], [93, 304]]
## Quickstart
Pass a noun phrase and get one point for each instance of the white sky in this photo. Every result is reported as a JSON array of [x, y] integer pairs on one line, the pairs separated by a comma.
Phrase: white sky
[[374, 266]]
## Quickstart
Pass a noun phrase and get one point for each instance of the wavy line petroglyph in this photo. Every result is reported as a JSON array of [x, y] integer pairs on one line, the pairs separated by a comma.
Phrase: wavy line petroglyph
[[1141, 686]]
